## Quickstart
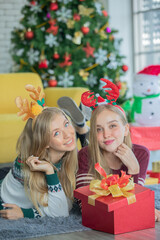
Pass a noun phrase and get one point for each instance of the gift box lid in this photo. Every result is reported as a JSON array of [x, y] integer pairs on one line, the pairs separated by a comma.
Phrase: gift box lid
[[109, 202]]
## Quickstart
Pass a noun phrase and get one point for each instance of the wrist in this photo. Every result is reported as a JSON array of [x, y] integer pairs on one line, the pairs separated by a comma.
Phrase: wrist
[[133, 170], [49, 171]]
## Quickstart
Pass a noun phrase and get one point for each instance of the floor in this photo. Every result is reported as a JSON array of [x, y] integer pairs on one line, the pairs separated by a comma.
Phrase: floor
[[147, 234]]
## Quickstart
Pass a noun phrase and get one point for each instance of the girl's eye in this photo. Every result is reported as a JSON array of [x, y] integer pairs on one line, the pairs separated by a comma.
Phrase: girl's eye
[[66, 124], [99, 129], [141, 84], [56, 134], [112, 126]]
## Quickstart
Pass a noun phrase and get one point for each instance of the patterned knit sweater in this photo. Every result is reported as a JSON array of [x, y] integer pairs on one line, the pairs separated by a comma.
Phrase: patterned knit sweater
[[12, 191]]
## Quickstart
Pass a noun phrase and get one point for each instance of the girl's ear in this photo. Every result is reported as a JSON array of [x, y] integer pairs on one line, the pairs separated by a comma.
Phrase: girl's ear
[[47, 146], [126, 130]]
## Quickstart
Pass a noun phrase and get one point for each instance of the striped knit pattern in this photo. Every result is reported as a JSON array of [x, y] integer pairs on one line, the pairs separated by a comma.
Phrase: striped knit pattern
[[83, 179]]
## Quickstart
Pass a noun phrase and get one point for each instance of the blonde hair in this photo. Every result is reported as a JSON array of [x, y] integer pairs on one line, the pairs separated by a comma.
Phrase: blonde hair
[[33, 141], [95, 153]]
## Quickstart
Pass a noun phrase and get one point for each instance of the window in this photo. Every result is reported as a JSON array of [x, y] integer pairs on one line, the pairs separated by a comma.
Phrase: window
[[146, 23]]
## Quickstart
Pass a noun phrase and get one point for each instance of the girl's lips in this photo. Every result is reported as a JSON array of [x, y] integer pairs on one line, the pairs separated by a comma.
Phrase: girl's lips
[[109, 142], [70, 142]]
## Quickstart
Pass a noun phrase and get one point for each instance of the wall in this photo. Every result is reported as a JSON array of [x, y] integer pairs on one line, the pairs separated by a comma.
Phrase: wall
[[9, 18], [120, 12]]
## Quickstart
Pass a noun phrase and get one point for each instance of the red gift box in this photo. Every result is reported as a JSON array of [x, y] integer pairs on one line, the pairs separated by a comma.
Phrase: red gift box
[[154, 175], [114, 215]]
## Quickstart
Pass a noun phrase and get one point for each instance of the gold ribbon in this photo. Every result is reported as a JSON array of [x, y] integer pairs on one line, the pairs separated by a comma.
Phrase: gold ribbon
[[115, 190]]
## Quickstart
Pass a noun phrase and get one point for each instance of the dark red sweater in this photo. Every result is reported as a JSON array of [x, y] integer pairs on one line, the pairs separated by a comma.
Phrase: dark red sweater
[[141, 153]]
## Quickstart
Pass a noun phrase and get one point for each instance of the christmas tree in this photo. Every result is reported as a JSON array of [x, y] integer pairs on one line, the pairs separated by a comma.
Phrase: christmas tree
[[69, 43]]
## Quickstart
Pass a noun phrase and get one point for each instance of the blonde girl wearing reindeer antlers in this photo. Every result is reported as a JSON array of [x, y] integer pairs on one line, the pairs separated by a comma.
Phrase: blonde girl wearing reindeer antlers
[[109, 142], [42, 179]]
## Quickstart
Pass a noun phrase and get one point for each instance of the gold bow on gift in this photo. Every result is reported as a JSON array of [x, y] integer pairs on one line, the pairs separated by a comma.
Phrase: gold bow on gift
[[112, 184]]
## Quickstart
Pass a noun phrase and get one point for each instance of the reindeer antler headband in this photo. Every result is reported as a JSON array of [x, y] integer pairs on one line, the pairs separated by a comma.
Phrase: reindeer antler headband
[[89, 98], [34, 108]]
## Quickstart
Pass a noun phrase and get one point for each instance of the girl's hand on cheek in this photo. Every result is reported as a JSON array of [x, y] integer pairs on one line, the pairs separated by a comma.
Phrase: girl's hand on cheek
[[125, 154], [38, 165]]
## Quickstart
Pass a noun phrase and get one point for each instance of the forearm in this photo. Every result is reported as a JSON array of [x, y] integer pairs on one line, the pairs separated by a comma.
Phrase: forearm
[[133, 167], [58, 204]]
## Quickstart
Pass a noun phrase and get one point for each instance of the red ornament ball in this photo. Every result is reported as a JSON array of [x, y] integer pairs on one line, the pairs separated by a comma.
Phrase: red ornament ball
[[76, 17], [52, 82], [29, 35], [105, 14], [43, 64], [85, 30], [125, 68], [33, 3], [56, 56], [53, 6]]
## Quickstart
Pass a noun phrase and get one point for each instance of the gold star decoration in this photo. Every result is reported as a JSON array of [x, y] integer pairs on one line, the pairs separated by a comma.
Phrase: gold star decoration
[[85, 11]]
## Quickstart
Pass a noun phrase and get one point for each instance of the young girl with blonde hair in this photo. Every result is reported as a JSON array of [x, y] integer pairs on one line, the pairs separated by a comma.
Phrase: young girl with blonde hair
[[42, 179], [110, 143]]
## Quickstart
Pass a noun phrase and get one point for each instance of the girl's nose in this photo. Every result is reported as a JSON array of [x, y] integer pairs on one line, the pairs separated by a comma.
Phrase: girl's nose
[[66, 133], [106, 133]]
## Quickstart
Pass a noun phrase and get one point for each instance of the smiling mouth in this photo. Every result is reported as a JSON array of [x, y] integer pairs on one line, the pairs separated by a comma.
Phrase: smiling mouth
[[69, 142], [109, 142]]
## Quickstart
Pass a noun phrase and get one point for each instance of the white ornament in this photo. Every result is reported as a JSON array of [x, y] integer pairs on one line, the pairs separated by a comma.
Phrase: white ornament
[[63, 14], [66, 80], [98, 7], [146, 105], [100, 56], [51, 40], [33, 56]]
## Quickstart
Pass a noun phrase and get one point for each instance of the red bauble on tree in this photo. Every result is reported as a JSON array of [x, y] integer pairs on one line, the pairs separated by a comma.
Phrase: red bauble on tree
[[43, 64], [85, 30], [52, 82], [105, 14], [125, 68], [56, 55], [54, 6], [33, 3], [76, 17], [29, 34]]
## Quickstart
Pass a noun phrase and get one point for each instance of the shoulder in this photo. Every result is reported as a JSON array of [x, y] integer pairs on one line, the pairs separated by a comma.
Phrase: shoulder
[[83, 154], [83, 159], [141, 152], [140, 148], [84, 150]]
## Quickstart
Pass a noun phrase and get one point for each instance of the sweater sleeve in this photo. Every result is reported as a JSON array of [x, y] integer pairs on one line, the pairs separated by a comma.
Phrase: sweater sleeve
[[143, 155], [83, 178], [12, 191], [58, 204]]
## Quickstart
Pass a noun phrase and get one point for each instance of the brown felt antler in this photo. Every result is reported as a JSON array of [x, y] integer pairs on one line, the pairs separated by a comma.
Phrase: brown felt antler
[[24, 107], [35, 94], [35, 107]]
